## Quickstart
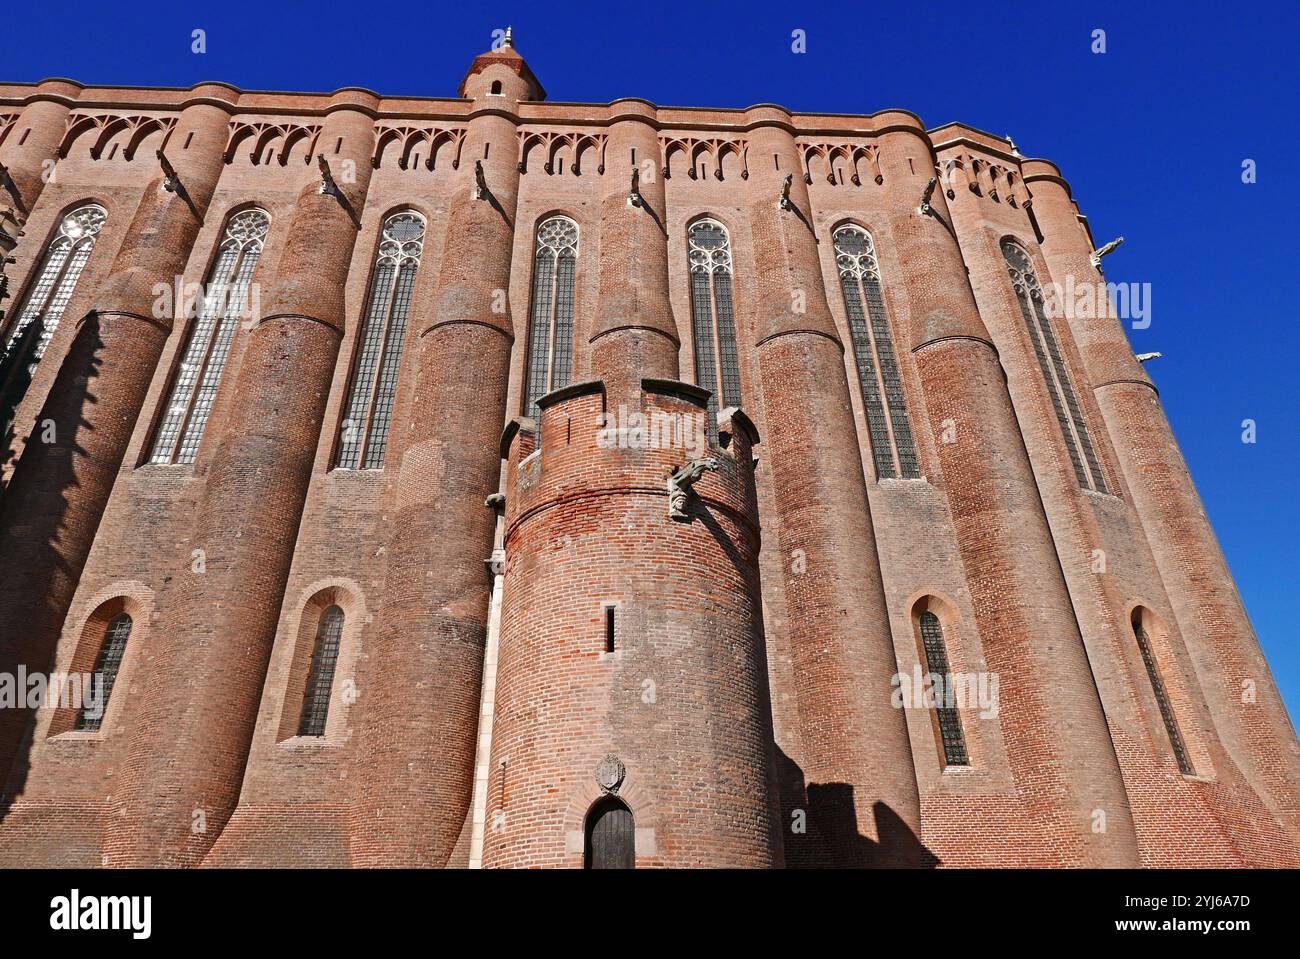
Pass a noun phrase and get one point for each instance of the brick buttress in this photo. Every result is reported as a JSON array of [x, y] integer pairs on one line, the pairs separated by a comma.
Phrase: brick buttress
[[30, 153], [420, 705], [863, 801], [1066, 773], [53, 506], [185, 764], [1240, 693]]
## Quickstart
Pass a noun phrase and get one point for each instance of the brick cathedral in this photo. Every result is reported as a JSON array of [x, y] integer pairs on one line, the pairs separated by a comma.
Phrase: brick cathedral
[[483, 481]]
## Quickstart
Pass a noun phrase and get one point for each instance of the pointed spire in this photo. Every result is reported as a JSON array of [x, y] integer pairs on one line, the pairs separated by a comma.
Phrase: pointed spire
[[509, 42]]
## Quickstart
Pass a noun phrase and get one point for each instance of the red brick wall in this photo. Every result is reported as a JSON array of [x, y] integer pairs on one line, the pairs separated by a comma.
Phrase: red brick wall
[[773, 686]]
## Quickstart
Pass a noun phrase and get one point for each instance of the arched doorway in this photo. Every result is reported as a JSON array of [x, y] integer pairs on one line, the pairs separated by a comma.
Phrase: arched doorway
[[611, 836]]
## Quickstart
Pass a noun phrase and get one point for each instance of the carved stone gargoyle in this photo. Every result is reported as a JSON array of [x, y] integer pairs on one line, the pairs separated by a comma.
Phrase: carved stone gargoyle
[[680, 485], [634, 197], [1095, 256], [327, 184], [784, 202], [924, 208], [171, 179]]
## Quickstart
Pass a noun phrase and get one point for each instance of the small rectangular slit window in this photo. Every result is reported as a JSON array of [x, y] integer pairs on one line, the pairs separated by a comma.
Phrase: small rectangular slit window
[[609, 629]]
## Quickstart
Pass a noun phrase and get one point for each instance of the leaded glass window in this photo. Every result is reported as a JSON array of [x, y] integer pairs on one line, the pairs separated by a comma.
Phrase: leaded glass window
[[713, 316], [1162, 700], [320, 678], [225, 298], [107, 663], [893, 448], [550, 324], [936, 662], [383, 335], [1051, 363], [60, 268]]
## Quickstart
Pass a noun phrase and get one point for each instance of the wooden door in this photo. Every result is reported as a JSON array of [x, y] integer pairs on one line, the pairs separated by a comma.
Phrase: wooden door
[[611, 837]]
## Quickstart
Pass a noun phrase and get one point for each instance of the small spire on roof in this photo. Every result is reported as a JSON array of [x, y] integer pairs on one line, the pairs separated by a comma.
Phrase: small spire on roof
[[509, 42]]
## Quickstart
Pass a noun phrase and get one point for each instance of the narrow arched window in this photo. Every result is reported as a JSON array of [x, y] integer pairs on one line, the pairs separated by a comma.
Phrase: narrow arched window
[[383, 335], [57, 276], [892, 447], [107, 663], [224, 300], [611, 836], [550, 323], [945, 708], [1051, 363], [320, 678], [713, 319], [1162, 696]]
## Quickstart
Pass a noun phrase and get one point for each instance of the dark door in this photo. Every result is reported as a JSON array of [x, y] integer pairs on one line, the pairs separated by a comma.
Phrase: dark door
[[611, 841]]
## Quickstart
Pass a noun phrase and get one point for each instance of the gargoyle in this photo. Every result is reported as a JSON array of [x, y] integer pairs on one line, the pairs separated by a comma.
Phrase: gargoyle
[[1095, 256], [784, 202], [327, 184], [171, 180], [681, 483], [925, 209], [1143, 357], [634, 197], [481, 191]]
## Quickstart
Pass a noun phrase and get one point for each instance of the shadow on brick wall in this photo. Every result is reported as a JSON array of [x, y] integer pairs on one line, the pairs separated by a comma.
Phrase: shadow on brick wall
[[830, 839], [35, 550]]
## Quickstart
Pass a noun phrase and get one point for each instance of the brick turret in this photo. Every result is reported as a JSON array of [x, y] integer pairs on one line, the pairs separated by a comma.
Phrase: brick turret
[[630, 640]]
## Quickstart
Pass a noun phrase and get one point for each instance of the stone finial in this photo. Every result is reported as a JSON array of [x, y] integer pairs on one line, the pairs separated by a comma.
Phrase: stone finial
[[508, 42], [682, 482]]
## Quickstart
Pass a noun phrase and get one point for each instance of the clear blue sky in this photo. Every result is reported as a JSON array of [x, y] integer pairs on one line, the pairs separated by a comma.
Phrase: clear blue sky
[[1151, 134]]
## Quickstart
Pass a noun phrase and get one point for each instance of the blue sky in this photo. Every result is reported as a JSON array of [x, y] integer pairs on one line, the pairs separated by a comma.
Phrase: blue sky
[[1151, 134]]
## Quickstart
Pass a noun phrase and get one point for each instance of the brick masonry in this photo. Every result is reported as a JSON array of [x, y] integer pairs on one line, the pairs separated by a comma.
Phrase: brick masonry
[[749, 694]]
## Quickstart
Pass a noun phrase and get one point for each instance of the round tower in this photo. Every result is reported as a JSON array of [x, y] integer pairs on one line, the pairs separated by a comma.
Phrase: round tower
[[633, 723]]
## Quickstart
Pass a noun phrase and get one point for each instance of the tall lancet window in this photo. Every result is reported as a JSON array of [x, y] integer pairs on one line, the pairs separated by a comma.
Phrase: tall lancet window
[[713, 316], [379, 356], [550, 325], [1162, 697], [1069, 416], [57, 276], [225, 300], [320, 678], [107, 663], [936, 663], [892, 447]]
